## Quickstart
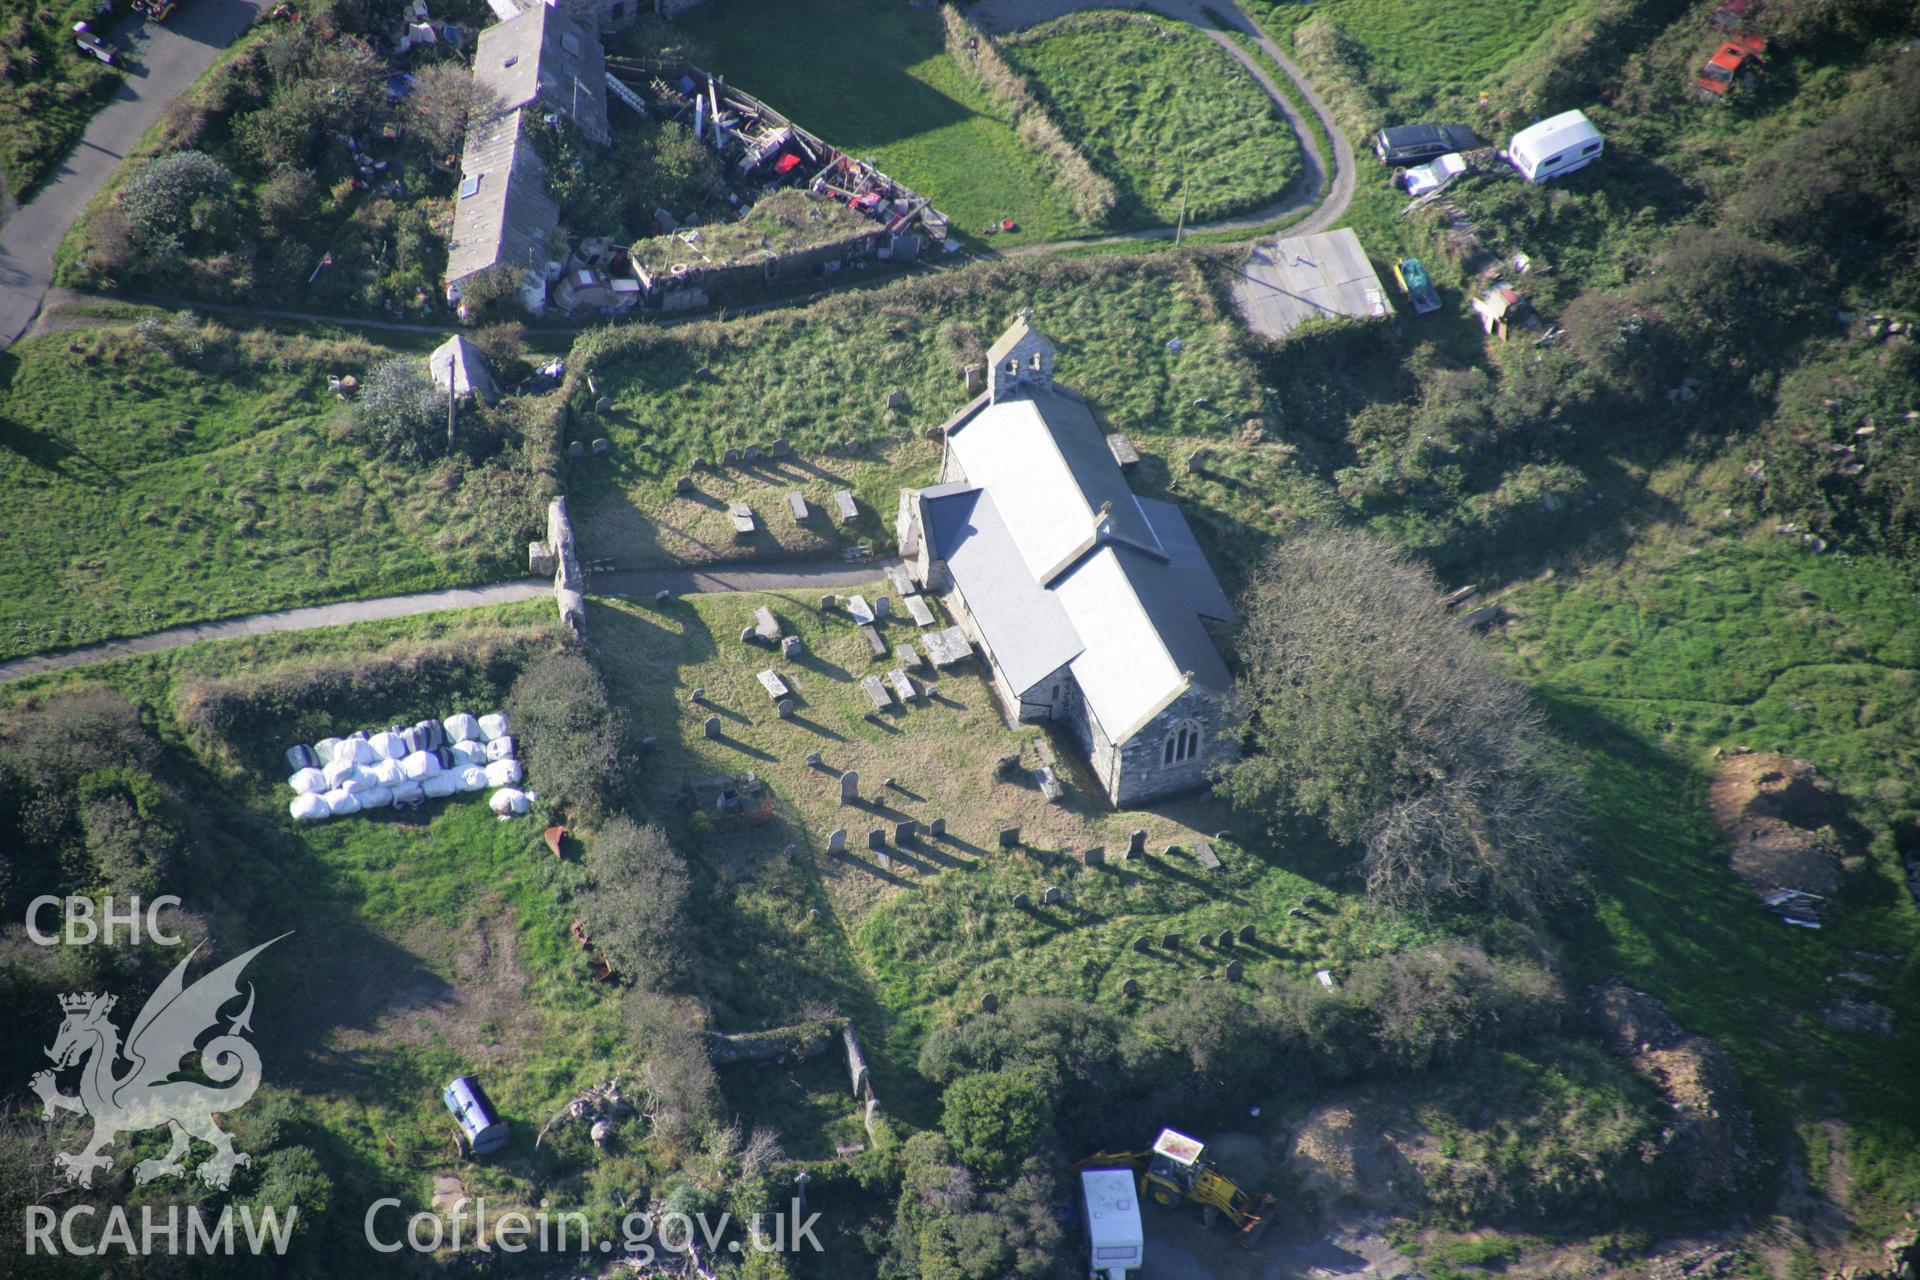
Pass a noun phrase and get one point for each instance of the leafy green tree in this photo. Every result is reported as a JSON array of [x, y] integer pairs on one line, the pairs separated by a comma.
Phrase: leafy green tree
[[178, 199], [634, 909], [994, 1120], [1373, 710]]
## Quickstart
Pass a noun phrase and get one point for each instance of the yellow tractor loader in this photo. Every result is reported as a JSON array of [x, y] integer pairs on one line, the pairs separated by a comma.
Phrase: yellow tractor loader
[[1177, 1170]]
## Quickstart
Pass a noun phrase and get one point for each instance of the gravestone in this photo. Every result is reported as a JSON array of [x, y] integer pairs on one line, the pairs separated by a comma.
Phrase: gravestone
[[1143, 944], [882, 608], [902, 584], [1247, 936], [1234, 970], [937, 828], [1051, 896], [885, 861], [683, 485], [577, 449], [752, 454], [746, 635], [1171, 942], [902, 687], [1225, 942], [843, 504], [765, 625], [698, 464], [1136, 843], [876, 647], [1049, 783], [770, 681], [903, 833], [790, 647], [827, 602], [784, 708], [1170, 851], [1095, 857], [861, 611], [907, 656], [837, 840], [797, 507], [648, 743], [603, 404], [712, 727], [742, 516], [918, 611], [813, 759], [782, 448], [849, 787], [1130, 988], [662, 596], [877, 838], [602, 447], [876, 692], [1009, 837], [989, 1003], [1021, 902], [1204, 854], [730, 458]]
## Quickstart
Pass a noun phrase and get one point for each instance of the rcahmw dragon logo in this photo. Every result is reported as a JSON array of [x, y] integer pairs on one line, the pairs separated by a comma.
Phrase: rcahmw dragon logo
[[147, 1096]]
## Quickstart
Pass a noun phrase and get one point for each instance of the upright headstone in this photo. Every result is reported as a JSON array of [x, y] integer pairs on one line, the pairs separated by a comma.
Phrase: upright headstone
[[828, 601], [1130, 988], [989, 1003], [882, 608], [903, 833], [1095, 857], [1143, 944], [937, 828], [1136, 843], [877, 838], [790, 647], [662, 596], [813, 759], [1009, 837], [1225, 942], [1171, 942], [1051, 896], [784, 708], [730, 457], [712, 727], [1247, 935], [1021, 902], [751, 454], [683, 485], [837, 840], [849, 787], [1234, 970]]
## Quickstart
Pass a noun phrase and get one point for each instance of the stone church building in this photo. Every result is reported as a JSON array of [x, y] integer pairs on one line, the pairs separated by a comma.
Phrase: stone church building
[[1090, 604]]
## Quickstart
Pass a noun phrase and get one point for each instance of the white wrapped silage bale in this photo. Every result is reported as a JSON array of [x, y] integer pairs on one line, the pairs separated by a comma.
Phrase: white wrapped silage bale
[[308, 782], [440, 785], [341, 802], [503, 773], [419, 765], [472, 778], [308, 807], [508, 801], [460, 725], [493, 726]]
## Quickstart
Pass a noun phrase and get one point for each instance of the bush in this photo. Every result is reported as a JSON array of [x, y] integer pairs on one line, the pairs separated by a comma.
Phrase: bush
[[571, 735], [635, 906], [446, 101], [1708, 289], [946, 1228], [995, 1119], [1372, 710], [402, 412], [682, 1092], [178, 198]]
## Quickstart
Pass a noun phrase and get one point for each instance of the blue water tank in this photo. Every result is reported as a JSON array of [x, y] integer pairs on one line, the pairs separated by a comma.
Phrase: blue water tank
[[481, 1124]]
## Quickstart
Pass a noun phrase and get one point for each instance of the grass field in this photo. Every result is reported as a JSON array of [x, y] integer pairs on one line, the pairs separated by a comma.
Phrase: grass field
[[48, 90], [149, 486], [1164, 112], [822, 375], [1432, 51], [1685, 647], [875, 79]]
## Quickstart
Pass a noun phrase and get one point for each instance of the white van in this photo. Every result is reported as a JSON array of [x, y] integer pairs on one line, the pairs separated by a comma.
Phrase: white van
[[1116, 1243], [1556, 146]]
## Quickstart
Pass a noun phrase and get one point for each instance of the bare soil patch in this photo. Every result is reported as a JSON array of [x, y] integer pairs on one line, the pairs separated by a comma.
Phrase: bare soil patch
[[1782, 821]]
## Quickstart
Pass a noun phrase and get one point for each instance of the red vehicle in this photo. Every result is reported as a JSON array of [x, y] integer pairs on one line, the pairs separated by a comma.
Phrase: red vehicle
[[156, 10], [1732, 66]]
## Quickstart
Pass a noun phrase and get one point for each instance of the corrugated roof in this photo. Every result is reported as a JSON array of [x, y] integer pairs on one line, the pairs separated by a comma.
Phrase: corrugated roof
[[1303, 278], [459, 363], [547, 55]]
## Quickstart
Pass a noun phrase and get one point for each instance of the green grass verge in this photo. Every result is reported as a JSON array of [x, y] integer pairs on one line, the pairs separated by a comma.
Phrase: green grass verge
[[49, 90], [1166, 113], [149, 487], [874, 78]]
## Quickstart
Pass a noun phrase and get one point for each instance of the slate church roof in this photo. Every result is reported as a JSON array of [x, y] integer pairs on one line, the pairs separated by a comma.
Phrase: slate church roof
[[1062, 564]]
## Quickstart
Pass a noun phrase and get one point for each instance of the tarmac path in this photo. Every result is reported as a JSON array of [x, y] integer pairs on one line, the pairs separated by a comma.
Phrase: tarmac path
[[167, 58], [636, 582]]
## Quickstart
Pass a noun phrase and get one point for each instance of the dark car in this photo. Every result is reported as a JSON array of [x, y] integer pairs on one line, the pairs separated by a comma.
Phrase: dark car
[[1413, 143]]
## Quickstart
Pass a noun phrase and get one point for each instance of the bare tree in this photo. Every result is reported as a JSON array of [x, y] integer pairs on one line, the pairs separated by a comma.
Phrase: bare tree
[[1374, 711], [446, 101]]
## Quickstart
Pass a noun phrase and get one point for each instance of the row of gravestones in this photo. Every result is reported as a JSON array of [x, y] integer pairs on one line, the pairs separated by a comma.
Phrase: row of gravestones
[[1223, 941], [906, 835], [781, 448]]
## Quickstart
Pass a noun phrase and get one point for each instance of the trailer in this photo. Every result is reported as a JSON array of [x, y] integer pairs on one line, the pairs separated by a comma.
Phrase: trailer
[[1116, 1243], [1556, 146]]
